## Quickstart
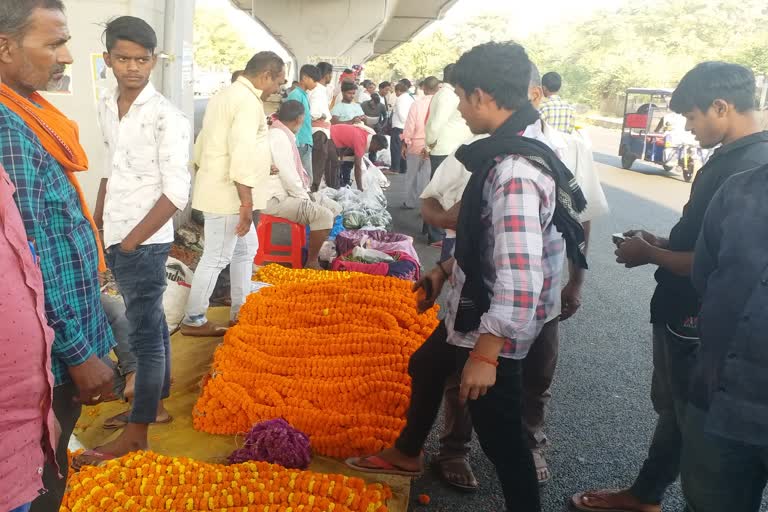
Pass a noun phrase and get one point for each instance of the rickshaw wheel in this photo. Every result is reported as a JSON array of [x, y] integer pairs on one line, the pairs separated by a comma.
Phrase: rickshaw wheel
[[627, 159]]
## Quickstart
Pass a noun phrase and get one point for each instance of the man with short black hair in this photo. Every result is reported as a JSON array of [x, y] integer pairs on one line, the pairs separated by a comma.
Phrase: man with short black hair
[[367, 88], [309, 75], [385, 92], [347, 111], [518, 220], [445, 131], [288, 191], [40, 150], [558, 113], [233, 158], [400, 112], [322, 146], [718, 101], [236, 75], [146, 141]]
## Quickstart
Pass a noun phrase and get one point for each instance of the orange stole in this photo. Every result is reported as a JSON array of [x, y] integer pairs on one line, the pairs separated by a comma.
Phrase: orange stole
[[60, 137]]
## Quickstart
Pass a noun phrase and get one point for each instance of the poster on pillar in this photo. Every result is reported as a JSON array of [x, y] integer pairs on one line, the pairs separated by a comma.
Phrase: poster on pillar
[[103, 78]]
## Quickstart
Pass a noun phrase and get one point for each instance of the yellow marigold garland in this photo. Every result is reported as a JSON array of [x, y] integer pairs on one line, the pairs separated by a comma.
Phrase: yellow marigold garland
[[329, 356], [148, 482], [277, 274]]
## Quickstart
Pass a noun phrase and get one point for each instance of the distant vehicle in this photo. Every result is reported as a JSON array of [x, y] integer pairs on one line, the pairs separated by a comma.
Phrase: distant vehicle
[[652, 133]]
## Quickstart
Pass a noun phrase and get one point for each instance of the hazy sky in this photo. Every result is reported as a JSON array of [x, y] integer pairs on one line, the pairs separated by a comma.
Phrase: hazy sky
[[526, 16]]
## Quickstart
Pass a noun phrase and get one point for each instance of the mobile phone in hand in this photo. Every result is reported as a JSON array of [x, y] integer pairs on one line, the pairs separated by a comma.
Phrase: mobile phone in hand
[[618, 238]]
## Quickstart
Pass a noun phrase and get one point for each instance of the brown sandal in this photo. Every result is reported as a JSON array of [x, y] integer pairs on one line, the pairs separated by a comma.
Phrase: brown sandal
[[450, 467], [207, 330]]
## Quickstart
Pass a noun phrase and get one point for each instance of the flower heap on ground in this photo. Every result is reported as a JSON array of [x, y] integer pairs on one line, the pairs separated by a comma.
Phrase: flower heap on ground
[[148, 482], [328, 356]]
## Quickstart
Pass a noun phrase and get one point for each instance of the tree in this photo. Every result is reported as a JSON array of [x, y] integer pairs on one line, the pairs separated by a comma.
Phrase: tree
[[218, 47], [416, 59]]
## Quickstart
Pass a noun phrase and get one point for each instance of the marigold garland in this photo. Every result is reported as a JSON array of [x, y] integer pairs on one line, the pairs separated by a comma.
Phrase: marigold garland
[[328, 355], [277, 274], [148, 482]]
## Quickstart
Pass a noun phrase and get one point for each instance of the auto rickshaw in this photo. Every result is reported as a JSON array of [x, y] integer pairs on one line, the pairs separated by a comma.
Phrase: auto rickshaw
[[643, 134]]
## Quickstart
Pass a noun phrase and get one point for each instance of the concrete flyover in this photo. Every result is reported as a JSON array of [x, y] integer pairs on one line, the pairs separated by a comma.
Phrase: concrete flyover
[[356, 29]]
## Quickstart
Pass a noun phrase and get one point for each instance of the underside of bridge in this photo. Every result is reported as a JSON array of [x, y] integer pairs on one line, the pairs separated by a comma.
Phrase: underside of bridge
[[355, 29]]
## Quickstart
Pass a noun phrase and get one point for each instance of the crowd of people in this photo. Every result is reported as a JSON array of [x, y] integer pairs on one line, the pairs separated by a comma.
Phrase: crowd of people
[[505, 184]]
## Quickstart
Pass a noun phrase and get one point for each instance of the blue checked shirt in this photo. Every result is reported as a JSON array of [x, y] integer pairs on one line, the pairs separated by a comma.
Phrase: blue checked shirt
[[53, 218], [558, 114]]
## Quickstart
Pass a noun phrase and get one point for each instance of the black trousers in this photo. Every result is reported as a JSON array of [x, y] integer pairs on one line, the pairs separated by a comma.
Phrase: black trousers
[[497, 416], [67, 412], [395, 151]]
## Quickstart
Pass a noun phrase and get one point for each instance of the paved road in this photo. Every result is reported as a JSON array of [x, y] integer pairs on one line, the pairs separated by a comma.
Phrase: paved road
[[601, 417]]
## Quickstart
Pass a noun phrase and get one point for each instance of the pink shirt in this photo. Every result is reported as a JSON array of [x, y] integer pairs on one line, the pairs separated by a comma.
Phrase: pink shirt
[[26, 382], [350, 136], [416, 125]]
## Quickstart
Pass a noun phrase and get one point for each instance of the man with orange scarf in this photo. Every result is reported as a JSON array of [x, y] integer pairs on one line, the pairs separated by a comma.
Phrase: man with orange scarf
[[40, 150]]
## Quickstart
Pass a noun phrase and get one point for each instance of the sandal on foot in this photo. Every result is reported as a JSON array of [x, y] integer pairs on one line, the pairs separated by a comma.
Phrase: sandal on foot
[[207, 330], [542, 469], [608, 501], [91, 458], [121, 420], [450, 467], [380, 466]]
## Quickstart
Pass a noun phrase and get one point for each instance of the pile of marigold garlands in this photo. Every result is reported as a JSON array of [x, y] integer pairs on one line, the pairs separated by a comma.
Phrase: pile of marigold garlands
[[145, 481], [328, 352]]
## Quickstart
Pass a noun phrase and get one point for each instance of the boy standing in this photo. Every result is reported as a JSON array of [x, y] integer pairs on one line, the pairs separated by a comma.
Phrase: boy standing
[[347, 111], [513, 232], [308, 78], [147, 181], [718, 101]]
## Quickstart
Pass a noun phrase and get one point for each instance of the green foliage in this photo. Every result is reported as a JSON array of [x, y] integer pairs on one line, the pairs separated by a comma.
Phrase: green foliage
[[651, 44], [218, 46], [416, 59]]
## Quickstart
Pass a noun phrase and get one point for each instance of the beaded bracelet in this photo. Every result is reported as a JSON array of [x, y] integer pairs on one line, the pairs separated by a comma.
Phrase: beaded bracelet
[[478, 357]]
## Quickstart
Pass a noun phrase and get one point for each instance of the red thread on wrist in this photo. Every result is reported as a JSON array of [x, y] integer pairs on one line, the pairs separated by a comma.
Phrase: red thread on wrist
[[478, 357]]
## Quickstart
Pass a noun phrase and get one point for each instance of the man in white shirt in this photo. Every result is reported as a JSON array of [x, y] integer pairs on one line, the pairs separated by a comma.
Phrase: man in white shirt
[[440, 206], [446, 130], [364, 91], [146, 182], [288, 190], [319, 105], [399, 117], [233, 159]]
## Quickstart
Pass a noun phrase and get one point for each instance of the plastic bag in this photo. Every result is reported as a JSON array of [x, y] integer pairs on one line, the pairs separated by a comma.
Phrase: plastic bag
[[370, 255], [179, 283]]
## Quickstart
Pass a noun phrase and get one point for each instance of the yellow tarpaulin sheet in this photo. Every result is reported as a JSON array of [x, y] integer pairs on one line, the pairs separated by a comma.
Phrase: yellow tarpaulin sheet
[[191, 359]]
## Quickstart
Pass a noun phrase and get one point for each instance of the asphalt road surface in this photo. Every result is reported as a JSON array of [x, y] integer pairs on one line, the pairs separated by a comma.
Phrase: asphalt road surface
[[601, 418]]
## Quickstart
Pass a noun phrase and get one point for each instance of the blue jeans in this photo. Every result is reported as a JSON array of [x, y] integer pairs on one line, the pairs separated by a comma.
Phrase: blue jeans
[[140, 275], [23, 508], [305, 152], [718, 473]]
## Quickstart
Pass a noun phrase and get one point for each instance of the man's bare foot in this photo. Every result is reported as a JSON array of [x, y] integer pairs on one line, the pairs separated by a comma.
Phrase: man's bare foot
[[130, 387], [133, 438], [121, 420], [611, 501]]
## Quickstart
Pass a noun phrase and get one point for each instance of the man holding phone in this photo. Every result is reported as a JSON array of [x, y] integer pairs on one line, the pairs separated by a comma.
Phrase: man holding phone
[[717, 99]]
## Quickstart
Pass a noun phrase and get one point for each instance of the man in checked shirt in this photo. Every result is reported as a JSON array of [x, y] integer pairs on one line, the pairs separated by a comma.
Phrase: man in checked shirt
[[558, 113], [513, 234]]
